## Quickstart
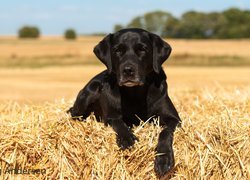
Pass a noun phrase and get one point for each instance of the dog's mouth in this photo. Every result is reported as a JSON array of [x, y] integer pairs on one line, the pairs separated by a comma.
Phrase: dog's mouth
[[131, 83]]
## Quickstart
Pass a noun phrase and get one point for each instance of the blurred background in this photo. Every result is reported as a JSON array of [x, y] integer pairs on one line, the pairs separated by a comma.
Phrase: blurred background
[[46, 47]]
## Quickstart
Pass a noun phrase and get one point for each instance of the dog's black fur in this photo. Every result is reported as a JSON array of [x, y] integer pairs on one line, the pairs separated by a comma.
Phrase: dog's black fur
[[133, 84]]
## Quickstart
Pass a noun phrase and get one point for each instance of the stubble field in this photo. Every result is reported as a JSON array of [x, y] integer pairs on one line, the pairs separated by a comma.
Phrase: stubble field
[[40, 79]]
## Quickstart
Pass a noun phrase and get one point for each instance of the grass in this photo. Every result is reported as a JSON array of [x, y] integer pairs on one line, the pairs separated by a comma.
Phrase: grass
[[211, 144]]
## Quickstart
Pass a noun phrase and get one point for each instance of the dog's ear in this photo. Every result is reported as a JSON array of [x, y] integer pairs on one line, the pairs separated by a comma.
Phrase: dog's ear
[[161, 51], [102, 51]]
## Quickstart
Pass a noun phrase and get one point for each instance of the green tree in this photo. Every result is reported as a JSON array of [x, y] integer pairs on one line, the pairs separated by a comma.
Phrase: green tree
[[213, 24], [70, 34], [231, 23], [28, 32], [117, 27], [137, 22], [247, 25], [236, 24], [155, 22], [192, 25], [171, 27]]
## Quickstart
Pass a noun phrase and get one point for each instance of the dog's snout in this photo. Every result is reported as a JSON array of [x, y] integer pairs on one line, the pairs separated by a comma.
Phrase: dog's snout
[[129, 76], [128, 71]]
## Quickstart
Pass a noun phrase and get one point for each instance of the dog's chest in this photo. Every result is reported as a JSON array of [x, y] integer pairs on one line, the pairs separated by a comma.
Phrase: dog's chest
[[134, 105]]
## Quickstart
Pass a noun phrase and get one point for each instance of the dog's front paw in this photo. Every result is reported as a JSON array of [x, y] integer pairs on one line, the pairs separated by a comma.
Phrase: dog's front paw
[[126, 141], [163, 164], [74, 114], [69, 111]]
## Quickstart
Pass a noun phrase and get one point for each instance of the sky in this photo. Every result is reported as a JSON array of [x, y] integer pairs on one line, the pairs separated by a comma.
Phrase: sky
[[52, 17]]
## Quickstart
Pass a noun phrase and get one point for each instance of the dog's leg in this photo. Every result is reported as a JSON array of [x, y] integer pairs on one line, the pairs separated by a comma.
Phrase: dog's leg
[[80, 105], [87, 96], [124, 136], [169, 119], [164, 160]]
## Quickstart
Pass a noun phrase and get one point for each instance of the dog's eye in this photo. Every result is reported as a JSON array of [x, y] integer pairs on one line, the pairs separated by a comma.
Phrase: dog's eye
[[142, 49], [118, 50]]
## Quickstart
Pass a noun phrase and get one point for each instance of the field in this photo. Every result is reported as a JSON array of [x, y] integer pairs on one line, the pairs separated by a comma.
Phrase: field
[[55, 51], [40, 79]]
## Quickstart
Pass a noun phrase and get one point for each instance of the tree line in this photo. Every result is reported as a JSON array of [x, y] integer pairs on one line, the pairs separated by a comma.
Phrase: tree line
[[229, 24], [34, 32]]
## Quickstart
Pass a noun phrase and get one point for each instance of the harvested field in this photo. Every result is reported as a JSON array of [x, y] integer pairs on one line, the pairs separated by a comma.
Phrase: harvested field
[[55, 83], [83, 46], [54, 51], [212, 143], [39, 80]]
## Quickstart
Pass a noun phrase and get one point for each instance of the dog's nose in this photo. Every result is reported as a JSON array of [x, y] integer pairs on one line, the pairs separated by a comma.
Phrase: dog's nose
[[128, 71]]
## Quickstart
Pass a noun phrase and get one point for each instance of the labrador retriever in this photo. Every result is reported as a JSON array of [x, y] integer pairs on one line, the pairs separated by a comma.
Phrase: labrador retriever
[[134, 84]]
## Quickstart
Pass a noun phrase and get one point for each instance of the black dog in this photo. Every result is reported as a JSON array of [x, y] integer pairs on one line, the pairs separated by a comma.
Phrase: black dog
[[133, 84]]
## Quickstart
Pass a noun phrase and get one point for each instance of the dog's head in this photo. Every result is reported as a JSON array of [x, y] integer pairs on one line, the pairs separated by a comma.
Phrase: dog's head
[[131, 54]]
